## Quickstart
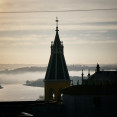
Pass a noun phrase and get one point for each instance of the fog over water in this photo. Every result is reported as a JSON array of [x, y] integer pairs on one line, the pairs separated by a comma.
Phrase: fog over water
[[19, 92], [20, 78], [15, 90]]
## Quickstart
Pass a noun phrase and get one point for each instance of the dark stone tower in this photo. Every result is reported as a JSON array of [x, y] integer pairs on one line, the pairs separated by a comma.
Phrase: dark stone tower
[[57, 76]]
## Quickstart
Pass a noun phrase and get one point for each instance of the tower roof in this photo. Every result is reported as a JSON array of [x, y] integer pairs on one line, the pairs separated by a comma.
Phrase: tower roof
[[57, 68], [57, 41]]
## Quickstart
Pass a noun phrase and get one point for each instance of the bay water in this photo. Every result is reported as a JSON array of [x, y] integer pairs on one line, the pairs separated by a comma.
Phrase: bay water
[[15, 90]]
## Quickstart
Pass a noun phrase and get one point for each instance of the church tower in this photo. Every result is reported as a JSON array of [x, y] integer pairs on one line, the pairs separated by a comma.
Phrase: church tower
[[57, 76]]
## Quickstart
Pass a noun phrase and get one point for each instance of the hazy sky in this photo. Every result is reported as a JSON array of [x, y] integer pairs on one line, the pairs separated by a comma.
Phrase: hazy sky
[[89, 37]]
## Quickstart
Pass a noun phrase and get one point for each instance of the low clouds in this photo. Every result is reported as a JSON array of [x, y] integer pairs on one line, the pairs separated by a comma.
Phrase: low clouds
[[32, 33], [19, 5]]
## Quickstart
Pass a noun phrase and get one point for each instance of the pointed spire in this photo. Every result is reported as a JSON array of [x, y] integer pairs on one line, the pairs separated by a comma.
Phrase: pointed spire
[[57, 69], [82, 73], [97, 68], [88, 73], [82, 76]]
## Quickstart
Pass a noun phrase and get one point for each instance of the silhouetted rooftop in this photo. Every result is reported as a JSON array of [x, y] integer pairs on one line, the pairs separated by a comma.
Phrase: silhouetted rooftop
[[104, 75], [31, 108], [90, 90]]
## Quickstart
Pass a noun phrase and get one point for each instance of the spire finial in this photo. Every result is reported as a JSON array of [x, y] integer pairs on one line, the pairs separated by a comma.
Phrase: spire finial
[[97, 68], [82, 76], [57, 21], [57, 24]]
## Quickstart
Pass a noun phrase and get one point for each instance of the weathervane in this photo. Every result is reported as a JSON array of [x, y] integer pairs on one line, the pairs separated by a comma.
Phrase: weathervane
[[57, 24]]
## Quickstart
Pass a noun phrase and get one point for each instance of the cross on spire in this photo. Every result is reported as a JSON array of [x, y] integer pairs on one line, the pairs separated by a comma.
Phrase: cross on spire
[[57, 21], [57, 24]]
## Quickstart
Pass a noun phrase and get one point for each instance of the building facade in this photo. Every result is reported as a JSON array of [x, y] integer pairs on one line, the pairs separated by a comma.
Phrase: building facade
[[90, 101]]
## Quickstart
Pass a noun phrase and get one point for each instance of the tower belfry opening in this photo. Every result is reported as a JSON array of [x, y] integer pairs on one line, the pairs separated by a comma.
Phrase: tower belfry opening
[[57, 76]]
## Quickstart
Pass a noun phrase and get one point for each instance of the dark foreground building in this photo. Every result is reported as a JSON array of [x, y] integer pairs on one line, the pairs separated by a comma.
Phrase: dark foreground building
[[78, 101], [31, 109], [90, 101]]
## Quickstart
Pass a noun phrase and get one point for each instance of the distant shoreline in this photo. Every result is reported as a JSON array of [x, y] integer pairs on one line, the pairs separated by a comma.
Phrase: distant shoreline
[[35, 83], [40, 83], [32, 85], [44, 68]]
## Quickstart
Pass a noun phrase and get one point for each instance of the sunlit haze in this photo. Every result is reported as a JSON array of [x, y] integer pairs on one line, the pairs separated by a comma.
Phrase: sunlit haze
[[89, 37]]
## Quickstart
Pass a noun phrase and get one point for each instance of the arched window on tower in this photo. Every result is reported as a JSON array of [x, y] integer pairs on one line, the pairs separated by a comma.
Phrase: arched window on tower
[[61, 96], [52, 94]]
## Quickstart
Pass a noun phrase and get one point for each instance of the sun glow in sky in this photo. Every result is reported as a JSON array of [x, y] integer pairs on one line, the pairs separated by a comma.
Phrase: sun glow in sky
[[88, 36]]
